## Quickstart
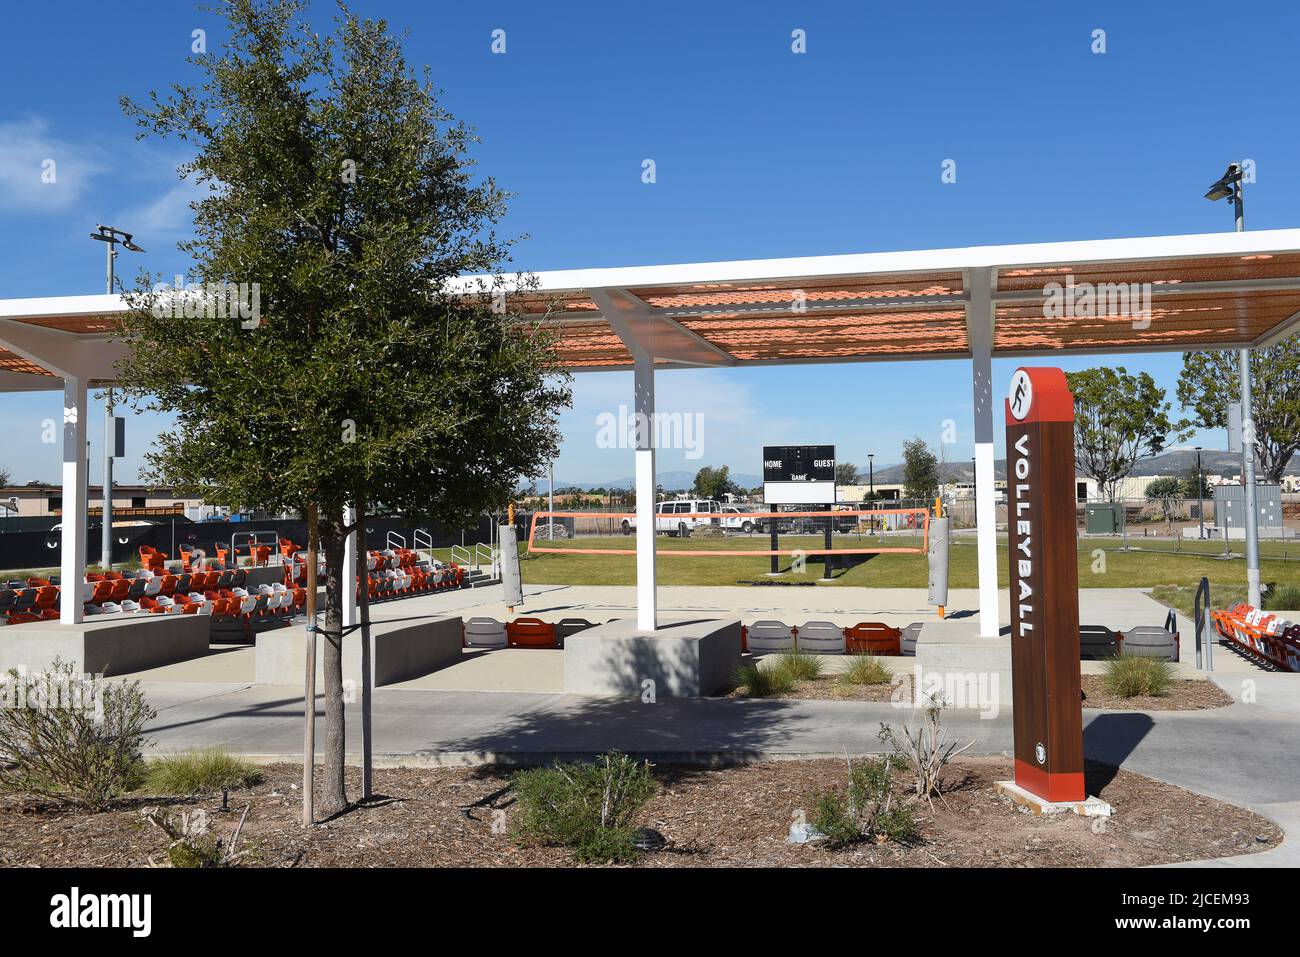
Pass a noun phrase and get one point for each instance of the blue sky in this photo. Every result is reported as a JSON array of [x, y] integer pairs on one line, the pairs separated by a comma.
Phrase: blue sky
[[759, 153]]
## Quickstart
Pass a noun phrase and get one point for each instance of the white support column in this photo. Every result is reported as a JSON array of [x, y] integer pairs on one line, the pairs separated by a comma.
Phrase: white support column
[[73, 551], [349, 571], [647, 598], [979, 332]]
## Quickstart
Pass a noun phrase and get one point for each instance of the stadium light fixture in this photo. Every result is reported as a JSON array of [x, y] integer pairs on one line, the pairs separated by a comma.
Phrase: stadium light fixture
[[113, 237]]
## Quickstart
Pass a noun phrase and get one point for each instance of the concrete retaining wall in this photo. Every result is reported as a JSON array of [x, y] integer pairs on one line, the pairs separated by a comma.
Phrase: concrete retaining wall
[[400, 650], [685, 659], [970, 668], [114, 646]]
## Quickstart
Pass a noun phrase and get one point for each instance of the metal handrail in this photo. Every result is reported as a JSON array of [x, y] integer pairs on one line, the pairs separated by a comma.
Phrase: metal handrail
[[422, 539], [395, 536], [480, 550], [253, 542], [1201, 610], [462, 556]]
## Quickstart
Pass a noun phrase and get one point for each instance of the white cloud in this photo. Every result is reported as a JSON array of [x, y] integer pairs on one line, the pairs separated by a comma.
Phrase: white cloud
[[736, 420], [166, 216], [40, 172]]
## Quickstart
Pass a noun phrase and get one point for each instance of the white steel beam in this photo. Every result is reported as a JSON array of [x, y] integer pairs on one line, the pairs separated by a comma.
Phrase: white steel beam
[[979, 332], [72, 551], [350, 570], [1287, 327], [647, 592], [88, 358], [642, 329]]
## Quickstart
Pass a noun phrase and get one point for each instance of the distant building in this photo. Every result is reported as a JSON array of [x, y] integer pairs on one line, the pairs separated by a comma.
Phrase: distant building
[[40, 500]]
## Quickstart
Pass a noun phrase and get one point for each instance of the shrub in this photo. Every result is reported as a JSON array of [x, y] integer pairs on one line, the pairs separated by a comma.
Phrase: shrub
[[588, 808], [867, 669], [925, 751], [759, 682], [192, 842], [1129, 677], [799, 665], [867, 810], [832, 817], [70, 739], [1282, 598], [204, 771]]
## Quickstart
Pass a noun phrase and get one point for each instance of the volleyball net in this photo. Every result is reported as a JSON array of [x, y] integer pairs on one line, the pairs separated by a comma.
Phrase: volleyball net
[[735, 533]]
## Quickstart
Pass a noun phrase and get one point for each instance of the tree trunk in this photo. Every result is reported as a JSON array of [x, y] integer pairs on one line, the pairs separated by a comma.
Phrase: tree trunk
[[333, 796]]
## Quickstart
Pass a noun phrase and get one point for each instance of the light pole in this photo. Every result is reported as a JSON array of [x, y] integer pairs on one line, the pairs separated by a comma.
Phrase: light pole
[[110, 236], [1229, 186], [871, 485], [1200, 492]]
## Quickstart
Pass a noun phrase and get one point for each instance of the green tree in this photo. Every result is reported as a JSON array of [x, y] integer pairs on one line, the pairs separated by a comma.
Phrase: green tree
[[1168, 493], [1210, 381], [333, 178], [1197, 485], [1118, 419], [846, 473], [713, 483], [920, 470], [1165, 489]]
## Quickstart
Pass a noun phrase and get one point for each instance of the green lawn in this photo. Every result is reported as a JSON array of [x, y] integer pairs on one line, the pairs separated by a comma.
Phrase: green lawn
[[1101, 565]]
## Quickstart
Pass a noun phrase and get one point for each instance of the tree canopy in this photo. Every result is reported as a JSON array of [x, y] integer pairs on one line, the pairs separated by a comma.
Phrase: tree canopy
[[1118, 419], [714, 483], [920, 470], [1210, 381]]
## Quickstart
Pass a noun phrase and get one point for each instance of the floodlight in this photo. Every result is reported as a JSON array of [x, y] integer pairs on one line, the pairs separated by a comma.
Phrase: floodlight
[[1226, 184]]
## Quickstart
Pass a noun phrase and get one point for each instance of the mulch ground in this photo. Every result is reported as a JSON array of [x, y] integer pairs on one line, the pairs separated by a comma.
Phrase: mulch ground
[[1185, 694], [832, 688], [711, 816]]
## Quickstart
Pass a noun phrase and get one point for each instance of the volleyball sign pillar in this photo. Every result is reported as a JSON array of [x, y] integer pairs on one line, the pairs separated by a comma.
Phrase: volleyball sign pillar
[[1046, 702]]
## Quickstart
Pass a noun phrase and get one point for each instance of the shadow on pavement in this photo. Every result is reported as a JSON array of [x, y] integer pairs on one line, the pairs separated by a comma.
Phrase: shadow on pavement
[[1108, 740]]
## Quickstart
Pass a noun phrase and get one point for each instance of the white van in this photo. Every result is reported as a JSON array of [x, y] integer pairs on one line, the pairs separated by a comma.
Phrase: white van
[[681, 516]]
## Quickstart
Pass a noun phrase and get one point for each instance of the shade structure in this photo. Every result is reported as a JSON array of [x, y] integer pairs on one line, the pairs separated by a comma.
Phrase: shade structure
[[1168, 293], [1171, 293]]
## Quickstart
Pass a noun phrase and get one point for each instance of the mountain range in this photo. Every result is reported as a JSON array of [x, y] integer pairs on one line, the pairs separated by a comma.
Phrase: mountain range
[[1173, 462]]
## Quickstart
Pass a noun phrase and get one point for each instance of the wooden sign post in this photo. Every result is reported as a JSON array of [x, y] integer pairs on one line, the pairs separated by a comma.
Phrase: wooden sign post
[[1046, 702]]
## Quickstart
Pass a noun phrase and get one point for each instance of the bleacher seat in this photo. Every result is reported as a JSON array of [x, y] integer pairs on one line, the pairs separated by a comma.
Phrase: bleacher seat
[[1097, 642], [820, 638], [530, 633], [570, 626], [907, 639], [874, 638], [485, 633], [1150, 641], [765, 636]]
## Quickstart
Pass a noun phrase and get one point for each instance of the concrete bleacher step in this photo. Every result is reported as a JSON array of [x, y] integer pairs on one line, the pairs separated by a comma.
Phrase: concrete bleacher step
[[479, 579]]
